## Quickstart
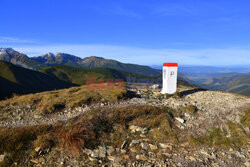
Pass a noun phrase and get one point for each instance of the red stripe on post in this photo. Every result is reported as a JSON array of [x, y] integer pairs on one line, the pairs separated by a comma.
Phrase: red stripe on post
[[170, 64]]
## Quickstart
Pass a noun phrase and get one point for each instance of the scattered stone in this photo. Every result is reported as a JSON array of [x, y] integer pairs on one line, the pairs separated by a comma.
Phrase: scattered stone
[[123, 151], [111, 158], [125, 156], [102, 153], [166, 154], [247, 163], [134, 129], [37, 149], [35, 161], [192, 158], [37, 116], [124, 144], [87, 151], [180, 120], [142, 135], [95, 153], [133, 142], [144, 146], [132, 149], [166, 146], [110, 150], [205, 153], [92, 159], [141, 157], [153, 147], [2, 157]]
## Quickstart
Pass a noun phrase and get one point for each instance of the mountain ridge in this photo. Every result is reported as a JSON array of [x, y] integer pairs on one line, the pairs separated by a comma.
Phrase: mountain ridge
[[48, 59], [14, 57]]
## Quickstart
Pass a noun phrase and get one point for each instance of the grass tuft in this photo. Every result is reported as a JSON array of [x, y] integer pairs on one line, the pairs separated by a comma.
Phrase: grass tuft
[[245, 120], [190, 109]]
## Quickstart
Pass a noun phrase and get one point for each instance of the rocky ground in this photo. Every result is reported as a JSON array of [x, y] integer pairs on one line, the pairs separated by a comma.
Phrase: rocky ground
[[215, 106], [214, 110]]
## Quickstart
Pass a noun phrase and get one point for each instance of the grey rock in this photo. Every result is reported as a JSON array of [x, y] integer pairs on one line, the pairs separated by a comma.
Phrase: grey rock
[[124, 144], [110, 150], [153, 147], [144, 146], [2, 157], [180, 120], [166, 146], [133, 142]]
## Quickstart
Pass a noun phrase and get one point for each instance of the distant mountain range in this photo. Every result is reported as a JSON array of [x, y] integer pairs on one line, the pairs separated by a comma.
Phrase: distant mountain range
[[189, 69], [234, 79], [214, 70], [93, 62], [14, 57]]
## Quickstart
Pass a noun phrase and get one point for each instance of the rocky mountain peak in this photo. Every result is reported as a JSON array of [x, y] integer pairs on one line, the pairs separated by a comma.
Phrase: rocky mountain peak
[[6, 49], [66, 55], [49, 54], [92, 58]]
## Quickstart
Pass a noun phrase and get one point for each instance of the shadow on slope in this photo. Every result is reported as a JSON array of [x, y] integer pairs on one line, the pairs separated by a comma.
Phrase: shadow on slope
[[18, 80], [191, 91]]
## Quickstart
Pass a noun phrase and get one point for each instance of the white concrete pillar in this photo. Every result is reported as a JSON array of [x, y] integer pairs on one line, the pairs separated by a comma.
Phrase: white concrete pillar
[[169, 78]]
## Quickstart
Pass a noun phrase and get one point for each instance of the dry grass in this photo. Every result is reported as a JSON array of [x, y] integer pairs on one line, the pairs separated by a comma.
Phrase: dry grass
[[176, 95], [245, 120], [44, 141], [109, 126], [53, 101], [16, 141], [236, 137], [76, 138], [95, 127]]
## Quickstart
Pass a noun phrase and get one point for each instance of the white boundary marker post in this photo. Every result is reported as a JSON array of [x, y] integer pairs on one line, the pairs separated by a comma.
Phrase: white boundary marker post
[[169, 78]]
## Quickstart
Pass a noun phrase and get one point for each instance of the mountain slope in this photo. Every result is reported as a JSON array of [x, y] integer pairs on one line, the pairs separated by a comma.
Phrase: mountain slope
[[18, 80], [94, 62], [78, 75], [91, 62], [15, 79], [14, 57], [239, 83]]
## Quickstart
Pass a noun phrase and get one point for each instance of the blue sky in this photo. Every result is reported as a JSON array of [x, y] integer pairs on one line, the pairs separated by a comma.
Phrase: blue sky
[[190, 32]]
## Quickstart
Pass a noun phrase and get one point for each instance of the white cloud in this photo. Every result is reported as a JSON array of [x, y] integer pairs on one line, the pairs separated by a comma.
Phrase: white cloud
[[15, 40], [148, 56]]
